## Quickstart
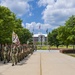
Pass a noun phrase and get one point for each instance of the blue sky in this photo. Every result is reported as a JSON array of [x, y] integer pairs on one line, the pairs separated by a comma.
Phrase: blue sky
[[45, 13]]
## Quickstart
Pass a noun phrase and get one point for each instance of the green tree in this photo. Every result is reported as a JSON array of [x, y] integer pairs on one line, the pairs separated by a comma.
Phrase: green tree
[[24, 35], [70, 24], [52, 38], [9, 23], [63, 33]]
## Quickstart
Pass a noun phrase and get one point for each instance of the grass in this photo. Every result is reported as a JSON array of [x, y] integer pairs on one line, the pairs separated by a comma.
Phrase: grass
[[62, 46], [42, 48], [71, 54], [47, 47]]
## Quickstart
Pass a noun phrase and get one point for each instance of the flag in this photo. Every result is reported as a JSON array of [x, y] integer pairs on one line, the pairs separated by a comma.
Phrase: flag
[[33, 29], [15, 38], [27, 42], [39, 26], [55, 0], [47, 30]]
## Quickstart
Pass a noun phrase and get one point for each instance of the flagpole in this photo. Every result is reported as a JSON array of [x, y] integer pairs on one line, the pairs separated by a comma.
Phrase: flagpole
[[40, 37], [47, 39], [33, 36]]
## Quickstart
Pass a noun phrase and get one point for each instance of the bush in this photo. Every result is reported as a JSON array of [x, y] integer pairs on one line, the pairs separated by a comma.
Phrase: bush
[[67, 51]]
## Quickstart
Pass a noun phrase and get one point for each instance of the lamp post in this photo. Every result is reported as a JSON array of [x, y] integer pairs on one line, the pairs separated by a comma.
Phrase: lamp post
[[47, 36]]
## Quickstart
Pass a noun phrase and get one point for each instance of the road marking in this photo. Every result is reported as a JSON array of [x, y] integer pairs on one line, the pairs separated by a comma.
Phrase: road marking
[[40, 65]]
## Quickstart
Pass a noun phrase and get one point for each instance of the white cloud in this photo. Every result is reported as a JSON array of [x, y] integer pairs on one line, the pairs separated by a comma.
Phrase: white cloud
[[55, 13], [45, 2], [30, 14], [34, 25], [20, 7], [23, 25]]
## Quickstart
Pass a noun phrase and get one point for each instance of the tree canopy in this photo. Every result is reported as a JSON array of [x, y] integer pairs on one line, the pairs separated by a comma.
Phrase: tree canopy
[[64, 34], [52, 38], [9, 23]]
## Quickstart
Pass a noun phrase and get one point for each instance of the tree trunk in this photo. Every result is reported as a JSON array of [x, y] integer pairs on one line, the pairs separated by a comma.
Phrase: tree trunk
[[1, 53], [66, 46], [73, 47], [57, 46]]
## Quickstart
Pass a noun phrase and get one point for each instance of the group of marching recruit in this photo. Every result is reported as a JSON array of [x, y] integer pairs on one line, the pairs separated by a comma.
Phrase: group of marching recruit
[[15, 53]]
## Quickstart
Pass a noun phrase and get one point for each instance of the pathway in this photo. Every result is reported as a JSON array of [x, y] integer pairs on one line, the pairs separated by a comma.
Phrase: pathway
[[42, 63]]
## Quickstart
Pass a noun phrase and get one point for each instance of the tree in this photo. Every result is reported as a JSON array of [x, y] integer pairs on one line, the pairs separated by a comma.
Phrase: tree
[[24, 35], [70, 24], [63, 33], [52, 38], [8, 24]]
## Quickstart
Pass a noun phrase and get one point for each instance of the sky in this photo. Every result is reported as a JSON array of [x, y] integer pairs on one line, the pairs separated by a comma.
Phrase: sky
[[48, 14]]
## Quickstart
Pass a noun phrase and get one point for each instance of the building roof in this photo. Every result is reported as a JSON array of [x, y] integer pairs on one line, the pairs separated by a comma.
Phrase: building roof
[[37, 35]]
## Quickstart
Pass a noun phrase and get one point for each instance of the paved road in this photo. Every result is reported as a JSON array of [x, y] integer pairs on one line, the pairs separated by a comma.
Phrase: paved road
[[29, 66], [57, 64], [42, 63]]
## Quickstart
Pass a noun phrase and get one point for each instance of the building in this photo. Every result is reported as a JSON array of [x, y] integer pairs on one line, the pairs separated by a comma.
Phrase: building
[[39, 38]]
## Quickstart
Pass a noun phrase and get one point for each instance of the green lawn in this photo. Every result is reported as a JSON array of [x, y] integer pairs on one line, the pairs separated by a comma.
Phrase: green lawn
[[43, 47], [62, 46], [47, 47], [71, 54]]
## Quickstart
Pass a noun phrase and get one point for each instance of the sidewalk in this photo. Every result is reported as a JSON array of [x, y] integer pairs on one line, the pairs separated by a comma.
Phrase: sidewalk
[[57, 64], [42, 63], [29, 66]]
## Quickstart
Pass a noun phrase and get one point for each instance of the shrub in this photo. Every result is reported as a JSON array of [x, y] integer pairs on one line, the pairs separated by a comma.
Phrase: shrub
[[67, 51]]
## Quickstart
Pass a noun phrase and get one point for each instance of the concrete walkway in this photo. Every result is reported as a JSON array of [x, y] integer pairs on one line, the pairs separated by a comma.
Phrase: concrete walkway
[[57, 64], [41, 63]]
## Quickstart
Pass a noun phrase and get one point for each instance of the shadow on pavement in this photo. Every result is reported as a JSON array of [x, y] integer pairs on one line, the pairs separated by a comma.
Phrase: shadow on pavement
[[1, 74], [1, 63], [19, 64], [24, 60]]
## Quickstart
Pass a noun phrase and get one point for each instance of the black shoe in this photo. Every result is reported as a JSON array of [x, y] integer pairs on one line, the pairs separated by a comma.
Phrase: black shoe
[[18, 61], [15, 63], [12, 64], [4, 62], [1, 59], [8, 61]]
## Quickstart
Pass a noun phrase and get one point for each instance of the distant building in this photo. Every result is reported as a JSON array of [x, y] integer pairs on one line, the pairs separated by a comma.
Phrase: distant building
[[41, 38]]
